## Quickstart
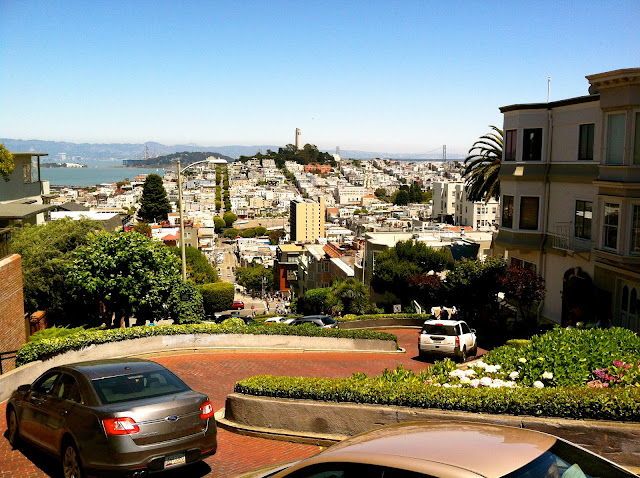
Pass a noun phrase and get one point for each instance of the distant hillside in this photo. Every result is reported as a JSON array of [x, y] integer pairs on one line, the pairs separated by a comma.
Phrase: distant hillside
[[119, 151], [186, 158]]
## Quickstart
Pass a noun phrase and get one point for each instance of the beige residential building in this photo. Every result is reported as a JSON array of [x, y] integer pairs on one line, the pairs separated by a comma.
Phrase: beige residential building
[[306, 219], [570, 199]]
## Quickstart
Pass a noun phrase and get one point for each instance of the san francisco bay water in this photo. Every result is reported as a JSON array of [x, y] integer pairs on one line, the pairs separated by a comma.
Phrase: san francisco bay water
[[92, 176]]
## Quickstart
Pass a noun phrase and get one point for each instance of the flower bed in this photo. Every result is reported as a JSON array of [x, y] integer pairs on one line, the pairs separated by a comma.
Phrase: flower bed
[[564, 373], [45, 348]]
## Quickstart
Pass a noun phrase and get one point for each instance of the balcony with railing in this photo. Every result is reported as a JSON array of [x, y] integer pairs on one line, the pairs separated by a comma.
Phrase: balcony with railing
[[563, 238]]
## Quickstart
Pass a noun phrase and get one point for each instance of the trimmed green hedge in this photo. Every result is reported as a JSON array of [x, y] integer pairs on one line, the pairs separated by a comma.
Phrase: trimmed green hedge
[[46, 348], [352, 318], [622, 404]]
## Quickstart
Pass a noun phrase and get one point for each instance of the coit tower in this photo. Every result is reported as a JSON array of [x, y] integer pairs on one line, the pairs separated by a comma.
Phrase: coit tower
[[298, 138]]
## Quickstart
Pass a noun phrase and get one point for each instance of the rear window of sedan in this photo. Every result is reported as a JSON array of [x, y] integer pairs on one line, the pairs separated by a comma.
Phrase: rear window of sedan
[[439, 329], [137, 386], [328, 321]]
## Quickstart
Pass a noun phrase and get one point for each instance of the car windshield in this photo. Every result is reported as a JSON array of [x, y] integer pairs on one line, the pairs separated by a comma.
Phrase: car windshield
[[439, 329], [564, 460], [328, 321], [123, 388]]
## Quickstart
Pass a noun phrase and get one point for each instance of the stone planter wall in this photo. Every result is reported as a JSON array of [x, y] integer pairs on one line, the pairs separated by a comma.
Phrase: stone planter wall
[[307, 418]]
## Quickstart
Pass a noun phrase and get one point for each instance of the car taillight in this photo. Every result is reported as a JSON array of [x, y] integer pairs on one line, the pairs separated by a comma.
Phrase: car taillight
[[457, 341], [120, 426], [206, 410]]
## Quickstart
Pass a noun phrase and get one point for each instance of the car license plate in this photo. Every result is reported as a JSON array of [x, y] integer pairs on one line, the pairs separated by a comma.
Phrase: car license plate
[[174, 459]]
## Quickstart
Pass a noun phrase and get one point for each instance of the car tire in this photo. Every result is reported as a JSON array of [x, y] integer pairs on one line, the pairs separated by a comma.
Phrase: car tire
[[463, 355], [13, 428], [70, 461], [422, 354]]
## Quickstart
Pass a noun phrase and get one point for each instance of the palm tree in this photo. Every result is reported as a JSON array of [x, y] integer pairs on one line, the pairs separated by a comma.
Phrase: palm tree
[[482, 165]]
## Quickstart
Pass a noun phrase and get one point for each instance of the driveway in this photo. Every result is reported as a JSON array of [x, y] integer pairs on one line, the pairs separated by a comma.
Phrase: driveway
[[215, 374]]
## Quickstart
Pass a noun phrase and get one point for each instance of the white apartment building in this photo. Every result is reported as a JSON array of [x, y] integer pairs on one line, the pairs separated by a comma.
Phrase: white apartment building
[[570, 199]]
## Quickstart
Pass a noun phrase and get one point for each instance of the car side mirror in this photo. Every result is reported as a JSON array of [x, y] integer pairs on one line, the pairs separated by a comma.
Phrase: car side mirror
[[24, 388], [473, 331]]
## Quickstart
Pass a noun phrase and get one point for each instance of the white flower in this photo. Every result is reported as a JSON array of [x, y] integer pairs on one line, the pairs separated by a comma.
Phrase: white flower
[[447, 385], [522, 360], [514, 375], [480, 364], [469, 372], [456, 373], [510, 384], [465, 380], [497, 383], [475, 383], [538, 384], [547, 375], [485, 381], [498, 367], [491, 368]]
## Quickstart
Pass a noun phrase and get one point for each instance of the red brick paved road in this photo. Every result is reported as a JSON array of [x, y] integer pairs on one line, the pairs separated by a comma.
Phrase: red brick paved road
[[215, 374]]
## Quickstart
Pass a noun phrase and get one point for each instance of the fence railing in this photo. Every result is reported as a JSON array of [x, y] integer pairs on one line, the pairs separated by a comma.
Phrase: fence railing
[[11, 355]]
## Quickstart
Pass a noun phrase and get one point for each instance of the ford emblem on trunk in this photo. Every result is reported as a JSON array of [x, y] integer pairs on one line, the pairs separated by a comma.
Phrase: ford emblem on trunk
[[171, 418]]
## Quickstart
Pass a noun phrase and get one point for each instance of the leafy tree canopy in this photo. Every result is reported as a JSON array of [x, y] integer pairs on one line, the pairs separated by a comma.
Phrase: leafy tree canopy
[[231, 233], [275, 235], [6, 162], [482, 165], [252, 277], [185, 157], [128, 272], [219, 223], [217, 297], [46, 252], [229, 218], [396, 265], [154, 203], [199, 269], [309, 154]]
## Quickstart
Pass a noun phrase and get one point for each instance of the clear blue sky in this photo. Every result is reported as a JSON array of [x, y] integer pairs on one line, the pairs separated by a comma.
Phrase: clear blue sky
[[381, 76]]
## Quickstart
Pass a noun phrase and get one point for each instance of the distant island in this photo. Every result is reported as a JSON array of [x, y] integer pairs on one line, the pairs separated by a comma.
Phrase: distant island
[[169, 160], [62, 165]]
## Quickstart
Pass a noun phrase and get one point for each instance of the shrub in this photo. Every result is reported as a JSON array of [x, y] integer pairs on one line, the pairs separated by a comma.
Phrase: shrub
[[571, 355], [406, 389], [46, 348], [217, 296], [185, 304]]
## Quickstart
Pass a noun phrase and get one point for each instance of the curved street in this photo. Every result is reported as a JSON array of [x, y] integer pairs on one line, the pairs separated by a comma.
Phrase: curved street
[[215, 374]]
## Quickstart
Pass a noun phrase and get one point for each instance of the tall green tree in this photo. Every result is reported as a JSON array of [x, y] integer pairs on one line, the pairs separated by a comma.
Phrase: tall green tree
[[229, 218], [400, 197], [199, 269], [126, 271], [253, 277], [46, 252], [219, 223], [6, 162], [396, 265], [473, 285], [482, 165], [351, 297], [154, 203]]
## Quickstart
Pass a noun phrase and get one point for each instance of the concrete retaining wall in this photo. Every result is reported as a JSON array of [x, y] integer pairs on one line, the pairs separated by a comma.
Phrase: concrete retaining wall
[[307, 418], [199, 343]]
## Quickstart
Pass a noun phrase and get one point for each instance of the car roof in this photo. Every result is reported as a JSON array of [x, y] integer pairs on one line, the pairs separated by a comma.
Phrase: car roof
[[442, 322], [112, 367], [457, 450]]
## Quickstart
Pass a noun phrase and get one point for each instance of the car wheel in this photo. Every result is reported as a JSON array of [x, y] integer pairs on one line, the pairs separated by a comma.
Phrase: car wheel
[[463, 355], [12, 425], [71, 465], [422, 354]]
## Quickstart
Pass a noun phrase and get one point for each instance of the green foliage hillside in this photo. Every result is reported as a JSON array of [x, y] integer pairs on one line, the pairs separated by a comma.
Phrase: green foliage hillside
[[186, 158]]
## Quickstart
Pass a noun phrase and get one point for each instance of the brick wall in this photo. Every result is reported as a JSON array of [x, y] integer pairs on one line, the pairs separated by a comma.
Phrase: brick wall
[[13, 330]]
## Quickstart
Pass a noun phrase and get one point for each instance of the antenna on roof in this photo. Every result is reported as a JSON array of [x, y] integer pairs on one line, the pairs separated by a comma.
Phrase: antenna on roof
[[548, 88]]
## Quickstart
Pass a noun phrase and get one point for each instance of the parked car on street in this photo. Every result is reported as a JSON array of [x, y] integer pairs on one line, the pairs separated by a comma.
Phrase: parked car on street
[[323, 321], [124, 416], [446, 450], [447, 338], [237, 305], [280, 320]]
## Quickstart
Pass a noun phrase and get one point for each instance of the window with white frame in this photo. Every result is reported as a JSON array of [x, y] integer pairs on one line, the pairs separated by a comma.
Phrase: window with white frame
[[630, 306], [610, 225], [615, 138]]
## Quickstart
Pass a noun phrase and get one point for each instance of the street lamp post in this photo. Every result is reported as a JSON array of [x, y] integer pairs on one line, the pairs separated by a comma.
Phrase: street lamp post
[[182, 246]]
